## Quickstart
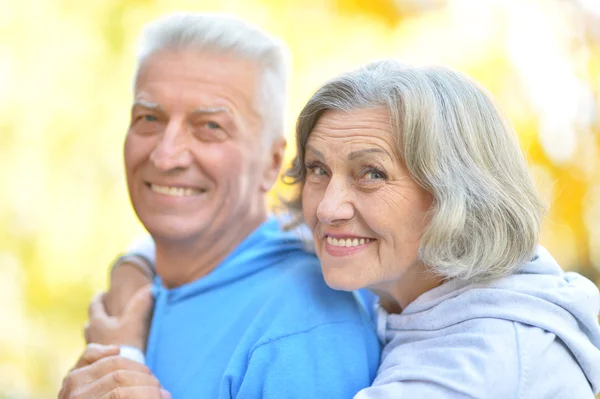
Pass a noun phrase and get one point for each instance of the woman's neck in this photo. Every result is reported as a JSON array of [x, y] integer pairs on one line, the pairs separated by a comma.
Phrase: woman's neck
[[395, 296]]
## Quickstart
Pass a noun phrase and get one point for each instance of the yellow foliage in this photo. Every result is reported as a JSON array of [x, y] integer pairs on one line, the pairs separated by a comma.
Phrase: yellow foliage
[[65, 70]]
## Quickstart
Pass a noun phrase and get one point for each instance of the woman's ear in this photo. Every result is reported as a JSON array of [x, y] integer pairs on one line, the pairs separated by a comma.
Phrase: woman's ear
[[273, 166]]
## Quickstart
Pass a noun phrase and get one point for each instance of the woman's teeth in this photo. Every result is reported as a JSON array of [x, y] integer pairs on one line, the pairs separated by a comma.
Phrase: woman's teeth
[[348, 242]]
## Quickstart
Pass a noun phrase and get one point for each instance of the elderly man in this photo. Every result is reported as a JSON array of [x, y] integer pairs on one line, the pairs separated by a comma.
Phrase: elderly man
[[241, 310]]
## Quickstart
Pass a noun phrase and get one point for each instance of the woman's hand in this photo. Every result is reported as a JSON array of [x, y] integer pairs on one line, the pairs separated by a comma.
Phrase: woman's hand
[[130, 328]]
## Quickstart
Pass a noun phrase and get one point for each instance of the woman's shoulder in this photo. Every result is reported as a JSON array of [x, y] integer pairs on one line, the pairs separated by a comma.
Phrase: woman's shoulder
[[466, 359], [492, 358]]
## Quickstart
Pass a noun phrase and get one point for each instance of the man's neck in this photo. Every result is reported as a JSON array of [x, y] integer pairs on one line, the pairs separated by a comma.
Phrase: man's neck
[[180, 263]]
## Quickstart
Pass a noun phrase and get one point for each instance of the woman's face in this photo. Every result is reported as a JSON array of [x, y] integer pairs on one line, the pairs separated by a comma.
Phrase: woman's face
[[365, 211]]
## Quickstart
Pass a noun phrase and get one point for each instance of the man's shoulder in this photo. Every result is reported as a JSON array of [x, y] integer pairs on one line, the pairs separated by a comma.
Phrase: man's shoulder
[[296, 299], [300, 281]]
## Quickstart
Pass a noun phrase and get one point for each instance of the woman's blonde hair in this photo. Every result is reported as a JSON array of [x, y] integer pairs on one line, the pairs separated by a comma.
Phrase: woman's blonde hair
[[486, 214]]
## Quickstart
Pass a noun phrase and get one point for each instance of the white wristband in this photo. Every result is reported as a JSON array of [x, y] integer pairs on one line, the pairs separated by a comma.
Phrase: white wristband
[[132, 353]]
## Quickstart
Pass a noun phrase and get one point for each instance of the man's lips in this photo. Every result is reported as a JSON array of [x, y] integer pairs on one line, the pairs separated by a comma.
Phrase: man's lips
[[175, 190]]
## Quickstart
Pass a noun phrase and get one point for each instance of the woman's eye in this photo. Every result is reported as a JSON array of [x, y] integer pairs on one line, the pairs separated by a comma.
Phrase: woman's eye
[[375, 175], [319, 171], [316, 170]]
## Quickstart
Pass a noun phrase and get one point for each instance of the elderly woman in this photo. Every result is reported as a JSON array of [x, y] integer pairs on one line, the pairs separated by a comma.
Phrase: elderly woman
[[414, 187]]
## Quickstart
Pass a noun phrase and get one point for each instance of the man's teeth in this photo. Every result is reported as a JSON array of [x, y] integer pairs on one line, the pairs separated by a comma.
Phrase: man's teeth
[[348, 242], [174, 191]]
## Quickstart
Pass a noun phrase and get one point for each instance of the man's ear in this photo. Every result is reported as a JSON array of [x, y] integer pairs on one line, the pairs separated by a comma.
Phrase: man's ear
[[273, 166]]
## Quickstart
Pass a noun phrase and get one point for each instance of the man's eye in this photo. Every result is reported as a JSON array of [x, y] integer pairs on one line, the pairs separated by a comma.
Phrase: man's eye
[[212, 125], [210, 131], [149, 118]]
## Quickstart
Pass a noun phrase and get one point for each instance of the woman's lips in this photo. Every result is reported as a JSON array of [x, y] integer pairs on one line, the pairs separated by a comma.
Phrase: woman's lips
[[344, 246]]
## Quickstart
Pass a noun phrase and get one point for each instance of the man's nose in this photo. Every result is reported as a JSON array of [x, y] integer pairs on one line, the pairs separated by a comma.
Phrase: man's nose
[[173, 149], [336, 206]]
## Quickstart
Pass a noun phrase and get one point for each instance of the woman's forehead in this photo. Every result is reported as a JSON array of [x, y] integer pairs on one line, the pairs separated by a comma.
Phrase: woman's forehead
[[354, 131], [361, 119]]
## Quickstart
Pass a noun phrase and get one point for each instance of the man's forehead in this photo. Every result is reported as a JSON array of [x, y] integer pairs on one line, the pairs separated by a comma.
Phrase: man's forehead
[[217, 82]]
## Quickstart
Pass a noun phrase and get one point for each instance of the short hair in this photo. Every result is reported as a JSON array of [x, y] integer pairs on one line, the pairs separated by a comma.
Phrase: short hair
[[225, 33], [486, 215]]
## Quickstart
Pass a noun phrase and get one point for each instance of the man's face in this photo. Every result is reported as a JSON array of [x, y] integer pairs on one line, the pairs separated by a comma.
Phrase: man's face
[[195, 165]]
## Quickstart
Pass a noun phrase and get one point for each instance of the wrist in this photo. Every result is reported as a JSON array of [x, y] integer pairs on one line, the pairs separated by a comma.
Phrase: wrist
[[132, 353]]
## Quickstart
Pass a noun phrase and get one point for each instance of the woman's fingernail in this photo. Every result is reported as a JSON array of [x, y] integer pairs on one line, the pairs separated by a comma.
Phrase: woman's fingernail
[[165, 394]]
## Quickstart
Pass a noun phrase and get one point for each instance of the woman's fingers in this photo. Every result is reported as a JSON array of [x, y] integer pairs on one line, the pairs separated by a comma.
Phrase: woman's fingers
[[140, 305], [130, 328], [96, 309]]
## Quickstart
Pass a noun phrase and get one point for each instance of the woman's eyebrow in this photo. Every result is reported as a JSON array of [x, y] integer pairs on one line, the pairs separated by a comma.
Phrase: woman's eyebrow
[[365, 151], [353, 154], [314, 151]]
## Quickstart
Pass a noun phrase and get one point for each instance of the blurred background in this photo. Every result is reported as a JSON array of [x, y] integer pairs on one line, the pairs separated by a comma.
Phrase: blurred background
[[65, 94]]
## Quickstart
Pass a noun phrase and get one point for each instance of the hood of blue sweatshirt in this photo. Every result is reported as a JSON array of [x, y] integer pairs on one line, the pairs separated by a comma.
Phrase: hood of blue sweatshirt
[[267, 246], [541, 294]]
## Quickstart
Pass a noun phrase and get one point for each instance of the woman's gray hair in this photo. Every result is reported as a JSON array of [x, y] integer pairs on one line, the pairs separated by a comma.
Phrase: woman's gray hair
[[226, 34], [486, 214]]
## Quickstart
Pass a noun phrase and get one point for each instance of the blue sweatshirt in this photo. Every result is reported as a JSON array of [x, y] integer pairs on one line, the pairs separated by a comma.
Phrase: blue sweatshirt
[[531, 335], [263, 324]]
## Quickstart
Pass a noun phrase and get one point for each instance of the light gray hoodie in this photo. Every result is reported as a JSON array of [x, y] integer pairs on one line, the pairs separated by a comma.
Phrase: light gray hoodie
[[531, 335]]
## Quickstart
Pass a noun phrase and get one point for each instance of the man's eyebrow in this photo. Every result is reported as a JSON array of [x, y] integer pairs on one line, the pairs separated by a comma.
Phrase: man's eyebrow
[[360, 153], [214, 110], [315, 151], [147, 104], [157, 107]]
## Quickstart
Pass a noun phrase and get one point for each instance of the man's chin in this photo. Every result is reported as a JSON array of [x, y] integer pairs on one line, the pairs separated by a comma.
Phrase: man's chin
[[173, 229]]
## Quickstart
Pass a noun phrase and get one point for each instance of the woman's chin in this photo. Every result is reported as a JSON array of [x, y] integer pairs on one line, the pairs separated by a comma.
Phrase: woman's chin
[[341, 280]]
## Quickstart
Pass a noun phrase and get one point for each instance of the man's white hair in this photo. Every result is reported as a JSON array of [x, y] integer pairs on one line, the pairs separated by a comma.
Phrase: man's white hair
[[227, 34], [486, 215]]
